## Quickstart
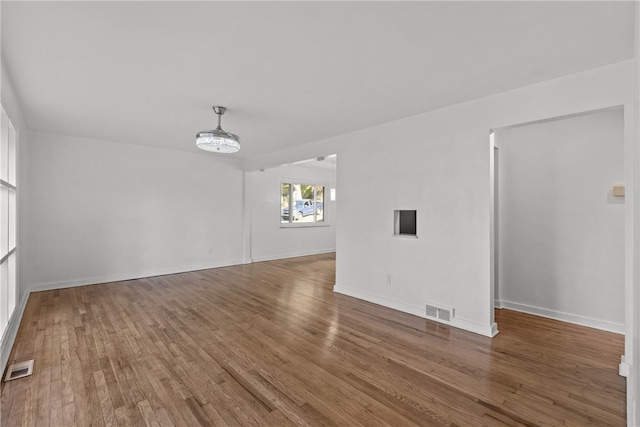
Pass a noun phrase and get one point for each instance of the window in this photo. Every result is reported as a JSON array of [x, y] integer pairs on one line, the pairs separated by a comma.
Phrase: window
[[301, 203], [8, 265]]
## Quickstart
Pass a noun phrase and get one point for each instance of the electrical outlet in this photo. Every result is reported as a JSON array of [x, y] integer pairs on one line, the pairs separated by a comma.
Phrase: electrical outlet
[[388, 279]]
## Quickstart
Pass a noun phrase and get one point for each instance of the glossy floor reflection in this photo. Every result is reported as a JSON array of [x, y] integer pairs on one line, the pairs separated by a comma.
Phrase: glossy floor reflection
[[270, 344]]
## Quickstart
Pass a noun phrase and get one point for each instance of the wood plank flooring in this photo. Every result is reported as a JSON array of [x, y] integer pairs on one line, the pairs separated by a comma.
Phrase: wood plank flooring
[[270, 344]]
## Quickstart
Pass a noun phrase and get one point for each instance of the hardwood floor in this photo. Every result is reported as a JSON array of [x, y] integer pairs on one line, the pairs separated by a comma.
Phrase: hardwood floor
[[270, 344]]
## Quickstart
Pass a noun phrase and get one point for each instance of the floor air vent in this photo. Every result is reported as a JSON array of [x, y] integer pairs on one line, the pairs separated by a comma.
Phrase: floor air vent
[[19, 370], [440, 313]]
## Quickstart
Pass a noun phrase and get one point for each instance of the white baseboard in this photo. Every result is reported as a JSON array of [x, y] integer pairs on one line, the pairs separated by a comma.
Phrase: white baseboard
[[416, 310], [494, 329], [36, 287], [624, 368], [604, 325], [292, 255], [10, 333], [125, 276]]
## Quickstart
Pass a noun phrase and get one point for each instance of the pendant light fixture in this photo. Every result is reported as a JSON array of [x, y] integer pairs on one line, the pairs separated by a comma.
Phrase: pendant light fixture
[[218, 140]]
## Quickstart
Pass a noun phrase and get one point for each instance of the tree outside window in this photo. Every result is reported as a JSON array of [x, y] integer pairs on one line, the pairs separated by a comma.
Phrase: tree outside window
[[301, 203]]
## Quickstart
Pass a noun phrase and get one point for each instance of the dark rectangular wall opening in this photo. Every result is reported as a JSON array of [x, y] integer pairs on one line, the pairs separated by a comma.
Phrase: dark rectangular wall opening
[[405, 223]]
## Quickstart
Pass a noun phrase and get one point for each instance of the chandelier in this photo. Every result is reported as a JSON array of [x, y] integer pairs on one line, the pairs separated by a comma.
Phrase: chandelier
[[218, 140]]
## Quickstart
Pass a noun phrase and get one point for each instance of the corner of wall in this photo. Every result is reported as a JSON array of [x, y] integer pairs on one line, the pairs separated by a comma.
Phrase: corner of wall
[[633, 330], [9, 99], [589, 322]]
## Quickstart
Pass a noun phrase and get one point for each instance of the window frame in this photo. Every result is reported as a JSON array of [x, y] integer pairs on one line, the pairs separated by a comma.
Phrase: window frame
[[8, 220], [294, 224]]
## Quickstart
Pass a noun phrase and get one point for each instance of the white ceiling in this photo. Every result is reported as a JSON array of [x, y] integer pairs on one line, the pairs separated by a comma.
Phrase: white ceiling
[[288, 72]]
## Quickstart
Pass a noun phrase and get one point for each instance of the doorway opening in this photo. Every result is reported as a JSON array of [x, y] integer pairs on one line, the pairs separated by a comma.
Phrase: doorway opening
[[557, 229]]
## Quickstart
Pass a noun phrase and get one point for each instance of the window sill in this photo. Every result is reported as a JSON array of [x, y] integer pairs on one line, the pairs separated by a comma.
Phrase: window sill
[[406, 236], [304, 225]]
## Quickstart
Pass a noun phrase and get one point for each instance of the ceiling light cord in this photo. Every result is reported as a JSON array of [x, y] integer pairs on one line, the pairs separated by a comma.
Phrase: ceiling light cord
[[219, 111]]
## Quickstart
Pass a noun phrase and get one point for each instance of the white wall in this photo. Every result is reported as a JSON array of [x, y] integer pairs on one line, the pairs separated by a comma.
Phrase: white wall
[[439, 164], [268, 239], [101, 211], [561, 233], [632, 339]]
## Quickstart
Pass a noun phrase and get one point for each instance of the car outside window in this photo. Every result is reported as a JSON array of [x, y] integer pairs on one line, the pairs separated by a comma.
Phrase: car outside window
[[301, 203]]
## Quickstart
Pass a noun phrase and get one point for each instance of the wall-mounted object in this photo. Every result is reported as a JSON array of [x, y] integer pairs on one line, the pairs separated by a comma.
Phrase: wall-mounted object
[[440, 313], [618, 191]]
